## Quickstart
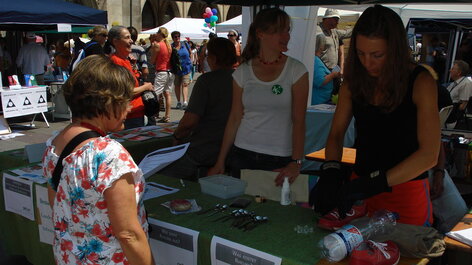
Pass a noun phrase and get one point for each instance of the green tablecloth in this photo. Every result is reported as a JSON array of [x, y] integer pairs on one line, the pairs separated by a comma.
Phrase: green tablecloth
[[277, 237], [20, 236], [13, 159]]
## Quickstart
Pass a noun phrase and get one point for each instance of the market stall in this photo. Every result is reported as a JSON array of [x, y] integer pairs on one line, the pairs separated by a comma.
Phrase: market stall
[[24, 15]]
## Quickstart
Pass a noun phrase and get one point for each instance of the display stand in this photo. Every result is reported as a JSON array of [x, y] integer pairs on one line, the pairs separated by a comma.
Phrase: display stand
[[24, 101], [4, 128]]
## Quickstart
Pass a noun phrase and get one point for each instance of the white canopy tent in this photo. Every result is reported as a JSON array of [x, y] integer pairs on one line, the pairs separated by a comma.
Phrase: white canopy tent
[[188, 27], [342, 13], [234, 23], [407, 11]]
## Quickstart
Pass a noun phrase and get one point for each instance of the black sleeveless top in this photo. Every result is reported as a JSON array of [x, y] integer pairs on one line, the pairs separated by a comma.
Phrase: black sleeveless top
[[385, 139]]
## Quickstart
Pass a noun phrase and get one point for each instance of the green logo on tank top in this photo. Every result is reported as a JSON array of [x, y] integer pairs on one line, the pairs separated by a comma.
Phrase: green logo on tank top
[[277, 89]]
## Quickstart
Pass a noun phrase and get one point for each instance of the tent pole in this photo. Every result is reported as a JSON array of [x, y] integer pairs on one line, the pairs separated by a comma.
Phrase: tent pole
[[130, 13]]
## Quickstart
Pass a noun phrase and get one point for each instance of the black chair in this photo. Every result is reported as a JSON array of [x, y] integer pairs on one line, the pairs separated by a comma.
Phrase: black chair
[[468, 114]]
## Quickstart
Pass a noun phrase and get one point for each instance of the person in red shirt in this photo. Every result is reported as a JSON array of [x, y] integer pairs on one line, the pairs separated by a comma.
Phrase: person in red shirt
[[120, 38]]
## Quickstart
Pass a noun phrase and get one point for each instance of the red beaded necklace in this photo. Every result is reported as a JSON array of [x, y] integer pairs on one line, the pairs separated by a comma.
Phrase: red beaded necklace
[[93, 128], [270, 63]]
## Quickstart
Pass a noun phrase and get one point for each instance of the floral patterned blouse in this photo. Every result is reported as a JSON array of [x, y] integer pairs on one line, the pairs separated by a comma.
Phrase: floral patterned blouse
[[82, 231]]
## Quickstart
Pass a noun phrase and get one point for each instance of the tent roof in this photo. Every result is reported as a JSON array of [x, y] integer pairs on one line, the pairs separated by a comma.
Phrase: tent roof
[[188, 27], [322, 2], [29, 15], [234, 23], [412, 11]]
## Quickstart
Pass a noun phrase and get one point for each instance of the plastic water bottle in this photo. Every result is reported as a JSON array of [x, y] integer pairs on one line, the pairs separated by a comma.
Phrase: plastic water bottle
[[285, 193], [336, 246]]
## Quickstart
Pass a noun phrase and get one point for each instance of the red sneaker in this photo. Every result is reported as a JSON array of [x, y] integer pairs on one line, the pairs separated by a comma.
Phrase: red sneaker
[[332, 221], [370, 253]]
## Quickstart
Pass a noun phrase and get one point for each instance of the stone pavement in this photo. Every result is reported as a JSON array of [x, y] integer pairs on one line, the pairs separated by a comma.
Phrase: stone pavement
[[40, 132]]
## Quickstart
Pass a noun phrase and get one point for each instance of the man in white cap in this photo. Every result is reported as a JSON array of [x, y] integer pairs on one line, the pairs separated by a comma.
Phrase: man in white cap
[[334, 51], [33, 58]]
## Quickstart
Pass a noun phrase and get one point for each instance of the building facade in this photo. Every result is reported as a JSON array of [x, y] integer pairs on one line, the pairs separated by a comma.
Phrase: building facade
[[147, 14]]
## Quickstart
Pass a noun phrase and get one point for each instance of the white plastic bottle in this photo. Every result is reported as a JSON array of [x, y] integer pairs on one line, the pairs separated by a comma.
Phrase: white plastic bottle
[[336, 246], [285, 193]]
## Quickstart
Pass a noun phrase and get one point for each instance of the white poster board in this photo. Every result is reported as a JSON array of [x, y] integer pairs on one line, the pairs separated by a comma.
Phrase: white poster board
[[172, 244], [24, 101], [225, 252], [18, 195]]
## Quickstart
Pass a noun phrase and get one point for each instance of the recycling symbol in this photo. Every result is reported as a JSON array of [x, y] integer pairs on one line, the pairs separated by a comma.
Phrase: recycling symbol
[[10, 104], [41, 99], [26, 102]]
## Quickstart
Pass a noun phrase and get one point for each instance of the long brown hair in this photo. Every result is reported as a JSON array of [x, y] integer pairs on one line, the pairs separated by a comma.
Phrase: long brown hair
[[165, 33], [267, 20], [380, 22]]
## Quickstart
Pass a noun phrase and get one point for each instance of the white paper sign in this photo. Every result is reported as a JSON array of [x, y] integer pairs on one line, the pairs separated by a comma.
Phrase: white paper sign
[[225, 252], [64, 27], [157, 160], [46, 227], [44, 209], [18, 195], [172, 244], [46, 234], [24, 101], [154, 190]]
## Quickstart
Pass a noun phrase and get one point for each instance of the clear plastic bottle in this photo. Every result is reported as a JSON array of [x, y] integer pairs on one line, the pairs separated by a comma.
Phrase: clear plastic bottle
[[336, 246], [285, 193]]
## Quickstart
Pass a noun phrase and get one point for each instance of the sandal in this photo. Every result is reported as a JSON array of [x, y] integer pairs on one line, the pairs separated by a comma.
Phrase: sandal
[[164, 120]]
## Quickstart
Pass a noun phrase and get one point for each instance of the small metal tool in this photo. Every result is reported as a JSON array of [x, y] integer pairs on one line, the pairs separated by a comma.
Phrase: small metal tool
[[209, 209]]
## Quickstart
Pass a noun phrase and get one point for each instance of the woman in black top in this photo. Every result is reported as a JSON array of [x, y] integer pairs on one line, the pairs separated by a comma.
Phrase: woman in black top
[[394, 103], [99, 36]]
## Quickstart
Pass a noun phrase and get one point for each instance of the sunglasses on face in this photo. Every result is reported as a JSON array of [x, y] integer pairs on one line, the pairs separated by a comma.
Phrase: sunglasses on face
[[104, 35], [176, 37], [231, 35]]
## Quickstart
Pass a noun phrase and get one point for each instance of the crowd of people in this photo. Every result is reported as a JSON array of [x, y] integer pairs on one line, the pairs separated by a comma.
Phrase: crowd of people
[[246, 111]]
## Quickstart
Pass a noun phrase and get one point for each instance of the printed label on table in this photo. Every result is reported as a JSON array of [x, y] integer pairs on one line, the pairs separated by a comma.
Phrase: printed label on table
[[42, 202], [18, 195], [172, 244], [24, 101], [46, 234], [225, 252]]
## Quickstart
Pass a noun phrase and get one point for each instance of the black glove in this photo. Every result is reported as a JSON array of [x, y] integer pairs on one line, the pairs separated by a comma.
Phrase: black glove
[[323, 195], [361, 188]]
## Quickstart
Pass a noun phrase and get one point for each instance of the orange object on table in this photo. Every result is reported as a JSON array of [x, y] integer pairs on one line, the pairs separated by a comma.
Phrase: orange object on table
[[349, 155]]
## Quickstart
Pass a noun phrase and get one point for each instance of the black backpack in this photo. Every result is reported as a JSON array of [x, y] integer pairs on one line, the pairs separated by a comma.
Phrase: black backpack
[[151, 103], [175, 65]]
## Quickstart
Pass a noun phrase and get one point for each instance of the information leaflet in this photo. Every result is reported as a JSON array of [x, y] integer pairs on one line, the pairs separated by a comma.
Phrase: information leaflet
[[225, 252], [18, 195], [172, 244]]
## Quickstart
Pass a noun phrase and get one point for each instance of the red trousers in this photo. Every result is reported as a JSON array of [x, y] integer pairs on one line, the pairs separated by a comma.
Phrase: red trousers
[[410, 200]]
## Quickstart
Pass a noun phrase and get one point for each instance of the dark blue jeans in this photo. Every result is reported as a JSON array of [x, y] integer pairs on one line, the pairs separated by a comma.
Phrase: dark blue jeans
[[244, 159]]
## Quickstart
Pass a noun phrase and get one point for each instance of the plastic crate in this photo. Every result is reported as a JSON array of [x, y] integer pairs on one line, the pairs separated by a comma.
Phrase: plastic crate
[[222, 186]]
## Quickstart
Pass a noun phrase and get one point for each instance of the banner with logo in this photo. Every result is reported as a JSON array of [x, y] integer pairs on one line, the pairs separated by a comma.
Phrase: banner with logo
[[24, 101]]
